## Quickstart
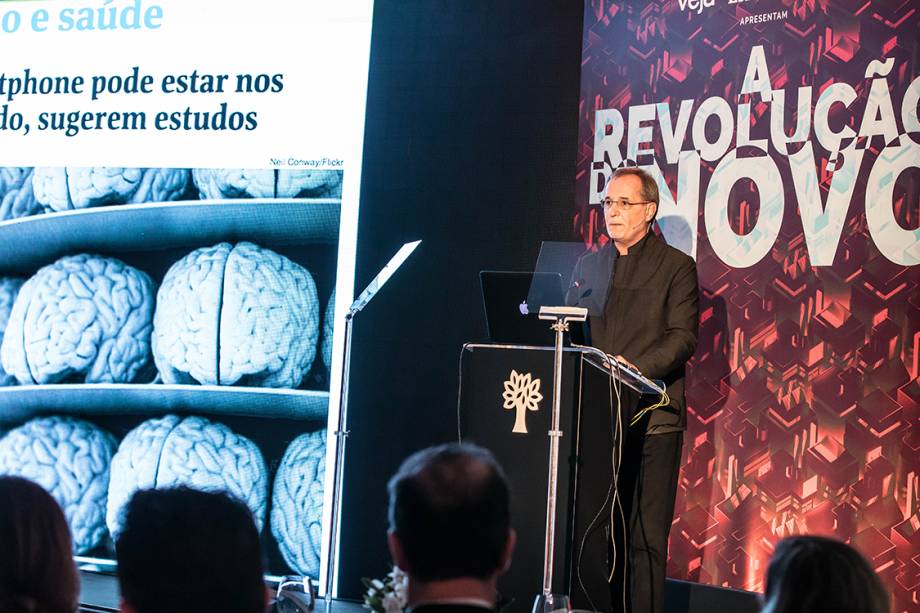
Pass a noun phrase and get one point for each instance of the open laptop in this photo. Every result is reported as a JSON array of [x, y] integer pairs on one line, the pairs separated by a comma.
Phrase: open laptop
[[512, 301]]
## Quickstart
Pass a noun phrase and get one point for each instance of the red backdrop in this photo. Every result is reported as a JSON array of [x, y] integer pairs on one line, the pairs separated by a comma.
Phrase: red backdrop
[[804, 405]]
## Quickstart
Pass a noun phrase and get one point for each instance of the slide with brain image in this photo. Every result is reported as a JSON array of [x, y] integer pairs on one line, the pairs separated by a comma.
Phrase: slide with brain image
[[228, 327], [174, 228]]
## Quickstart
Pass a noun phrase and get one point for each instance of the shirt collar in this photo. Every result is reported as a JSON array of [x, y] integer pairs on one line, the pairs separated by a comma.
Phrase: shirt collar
[[638, 247]]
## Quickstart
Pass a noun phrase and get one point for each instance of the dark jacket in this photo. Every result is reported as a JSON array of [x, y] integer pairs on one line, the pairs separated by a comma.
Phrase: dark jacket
[[649, 315]]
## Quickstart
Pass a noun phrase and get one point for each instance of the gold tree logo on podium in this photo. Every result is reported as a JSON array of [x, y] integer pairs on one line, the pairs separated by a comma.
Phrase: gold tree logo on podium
[[522, 393]]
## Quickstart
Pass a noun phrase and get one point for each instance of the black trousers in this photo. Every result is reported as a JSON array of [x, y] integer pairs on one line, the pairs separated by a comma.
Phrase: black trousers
[[647, 484]]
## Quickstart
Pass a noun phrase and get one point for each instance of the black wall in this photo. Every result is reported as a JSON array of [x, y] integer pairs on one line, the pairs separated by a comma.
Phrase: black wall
[[470, 145]]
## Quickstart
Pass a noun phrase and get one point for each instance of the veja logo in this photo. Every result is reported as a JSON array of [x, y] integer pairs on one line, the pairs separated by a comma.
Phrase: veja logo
[[696, 5]]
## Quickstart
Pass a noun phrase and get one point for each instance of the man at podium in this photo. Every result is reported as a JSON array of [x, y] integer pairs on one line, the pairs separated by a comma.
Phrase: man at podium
[[644, 300]]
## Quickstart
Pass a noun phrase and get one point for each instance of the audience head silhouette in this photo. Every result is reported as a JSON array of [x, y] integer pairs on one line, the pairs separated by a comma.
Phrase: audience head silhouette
[[450, 523], [187, 551], [37, 573], [818, 575]]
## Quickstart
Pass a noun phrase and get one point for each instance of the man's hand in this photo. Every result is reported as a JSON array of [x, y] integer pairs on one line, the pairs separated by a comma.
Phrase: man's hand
[[620, 358]]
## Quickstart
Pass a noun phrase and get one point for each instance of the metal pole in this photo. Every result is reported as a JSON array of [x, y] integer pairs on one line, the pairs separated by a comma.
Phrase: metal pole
[[340, 435], [555, 434]]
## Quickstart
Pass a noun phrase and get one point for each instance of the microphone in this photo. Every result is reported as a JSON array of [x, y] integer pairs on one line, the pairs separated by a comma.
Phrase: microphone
[[632, 227], [639, 225], [572, 295]]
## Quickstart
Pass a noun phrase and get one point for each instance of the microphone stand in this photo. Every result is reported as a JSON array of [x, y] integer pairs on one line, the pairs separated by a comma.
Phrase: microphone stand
[[341, 431], [546, 601]]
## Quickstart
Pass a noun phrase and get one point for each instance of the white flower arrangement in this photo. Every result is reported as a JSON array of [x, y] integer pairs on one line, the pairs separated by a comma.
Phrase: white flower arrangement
[[387, 595]]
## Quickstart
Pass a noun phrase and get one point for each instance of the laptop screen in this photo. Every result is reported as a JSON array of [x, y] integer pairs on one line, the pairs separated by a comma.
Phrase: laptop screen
[[512, 300]]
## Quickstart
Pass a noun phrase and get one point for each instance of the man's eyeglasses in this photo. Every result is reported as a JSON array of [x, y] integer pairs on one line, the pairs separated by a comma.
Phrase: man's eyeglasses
[[622, 204]]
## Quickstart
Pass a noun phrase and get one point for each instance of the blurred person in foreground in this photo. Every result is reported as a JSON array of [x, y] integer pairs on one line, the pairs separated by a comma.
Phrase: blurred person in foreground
[[37, 572], [450, 528], [821, 575], [187, 551]]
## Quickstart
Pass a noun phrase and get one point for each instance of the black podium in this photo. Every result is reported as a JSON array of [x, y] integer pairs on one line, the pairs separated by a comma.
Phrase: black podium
[[505, 405]]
